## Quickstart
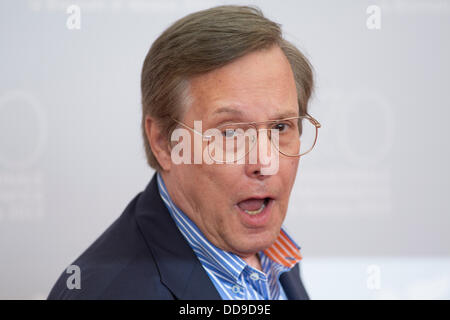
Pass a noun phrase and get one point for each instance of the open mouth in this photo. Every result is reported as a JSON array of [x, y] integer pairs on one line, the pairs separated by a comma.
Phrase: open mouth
[[254, 206]]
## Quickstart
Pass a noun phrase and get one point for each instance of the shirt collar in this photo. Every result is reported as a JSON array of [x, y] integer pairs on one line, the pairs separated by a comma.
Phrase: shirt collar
[[283, 252]]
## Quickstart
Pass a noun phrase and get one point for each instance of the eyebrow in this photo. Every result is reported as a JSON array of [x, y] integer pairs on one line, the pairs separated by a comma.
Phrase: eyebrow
[[282, 115], [227, 110]]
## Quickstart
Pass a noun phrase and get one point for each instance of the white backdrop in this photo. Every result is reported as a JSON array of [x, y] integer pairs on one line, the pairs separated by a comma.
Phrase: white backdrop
[[370, 207]]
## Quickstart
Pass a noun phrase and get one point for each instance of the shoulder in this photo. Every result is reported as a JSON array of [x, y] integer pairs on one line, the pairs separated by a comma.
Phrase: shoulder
[[118, 265]]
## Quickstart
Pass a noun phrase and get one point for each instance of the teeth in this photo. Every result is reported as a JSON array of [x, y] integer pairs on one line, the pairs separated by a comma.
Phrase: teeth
[[255, 212]]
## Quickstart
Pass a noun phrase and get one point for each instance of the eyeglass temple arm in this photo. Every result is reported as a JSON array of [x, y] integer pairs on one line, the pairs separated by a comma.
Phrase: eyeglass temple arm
[[192, 129], [314, 121]]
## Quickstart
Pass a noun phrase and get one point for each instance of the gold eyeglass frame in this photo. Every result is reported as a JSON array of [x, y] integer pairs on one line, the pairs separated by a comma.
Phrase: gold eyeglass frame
[[254, 124]]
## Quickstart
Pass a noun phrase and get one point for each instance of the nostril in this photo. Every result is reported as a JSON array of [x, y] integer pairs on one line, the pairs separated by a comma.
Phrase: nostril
[[257, 172]]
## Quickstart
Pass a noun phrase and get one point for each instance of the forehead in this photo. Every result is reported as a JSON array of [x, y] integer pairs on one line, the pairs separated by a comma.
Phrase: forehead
[[259, 85]]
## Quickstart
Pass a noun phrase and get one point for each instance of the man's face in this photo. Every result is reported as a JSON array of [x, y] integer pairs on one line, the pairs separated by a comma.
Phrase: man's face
[[258, 87]]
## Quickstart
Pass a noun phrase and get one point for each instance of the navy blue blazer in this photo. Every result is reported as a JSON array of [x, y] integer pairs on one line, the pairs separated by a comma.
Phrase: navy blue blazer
[[143, 255]]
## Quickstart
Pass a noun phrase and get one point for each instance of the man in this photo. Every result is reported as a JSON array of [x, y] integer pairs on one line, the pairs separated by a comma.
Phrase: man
[[209, 227]]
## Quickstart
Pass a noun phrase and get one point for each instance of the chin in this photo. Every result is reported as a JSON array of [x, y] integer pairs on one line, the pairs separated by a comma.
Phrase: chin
[[257, 242]]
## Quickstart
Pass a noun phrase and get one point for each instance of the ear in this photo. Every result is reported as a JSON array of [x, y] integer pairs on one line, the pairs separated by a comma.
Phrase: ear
[[158, 143]]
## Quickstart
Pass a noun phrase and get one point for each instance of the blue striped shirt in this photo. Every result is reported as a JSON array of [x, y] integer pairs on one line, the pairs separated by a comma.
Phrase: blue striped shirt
[[233, 278]]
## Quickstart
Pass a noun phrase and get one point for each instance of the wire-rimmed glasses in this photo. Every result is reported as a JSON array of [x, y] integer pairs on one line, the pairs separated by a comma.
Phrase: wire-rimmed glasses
[[231, 142]]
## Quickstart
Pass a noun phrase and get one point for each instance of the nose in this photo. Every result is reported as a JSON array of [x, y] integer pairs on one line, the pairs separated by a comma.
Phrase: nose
[[254, 171], [261, 156]]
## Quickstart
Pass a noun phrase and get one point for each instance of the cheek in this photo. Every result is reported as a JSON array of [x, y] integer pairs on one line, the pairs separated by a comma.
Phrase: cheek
[[217, 182], [287, 174], [288, 168], [223, 176]]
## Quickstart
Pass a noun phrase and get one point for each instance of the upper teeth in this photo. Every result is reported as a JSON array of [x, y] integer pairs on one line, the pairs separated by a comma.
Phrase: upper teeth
[[253, 212]]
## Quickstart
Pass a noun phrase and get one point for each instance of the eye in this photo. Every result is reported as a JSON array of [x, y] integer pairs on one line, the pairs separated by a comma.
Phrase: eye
[[281, 126], [229, 133]]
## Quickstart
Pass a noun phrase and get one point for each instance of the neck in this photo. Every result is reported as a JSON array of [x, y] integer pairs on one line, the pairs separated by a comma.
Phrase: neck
[[253, 261]]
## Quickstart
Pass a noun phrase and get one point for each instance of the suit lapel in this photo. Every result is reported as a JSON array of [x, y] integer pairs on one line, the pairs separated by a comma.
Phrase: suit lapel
[[180, 270], [292, 284]]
